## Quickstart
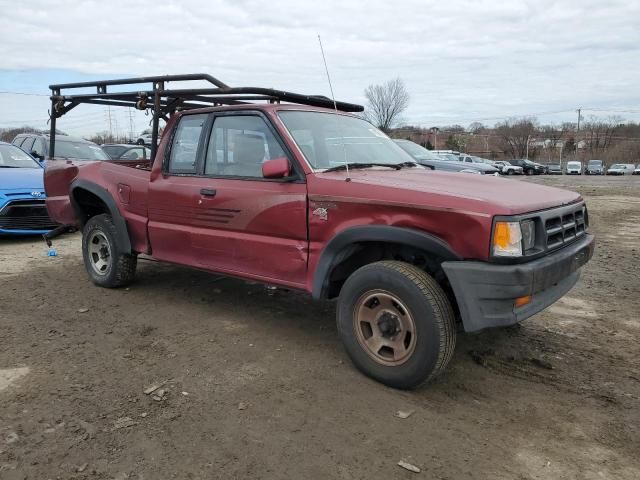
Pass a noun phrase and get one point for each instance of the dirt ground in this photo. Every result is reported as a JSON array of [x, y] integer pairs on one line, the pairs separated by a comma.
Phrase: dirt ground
[[258, 386]]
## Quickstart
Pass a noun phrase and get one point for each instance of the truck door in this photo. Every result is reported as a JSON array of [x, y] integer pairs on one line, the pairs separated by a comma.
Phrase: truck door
[[232, 219], [174, 193]]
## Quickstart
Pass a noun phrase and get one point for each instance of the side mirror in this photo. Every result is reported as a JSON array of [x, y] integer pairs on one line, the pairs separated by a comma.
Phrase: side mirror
[[276, 168], [35, 154]]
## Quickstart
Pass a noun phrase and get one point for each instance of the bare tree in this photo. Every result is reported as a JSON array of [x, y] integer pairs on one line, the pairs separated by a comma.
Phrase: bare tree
[[516, 134], [385, 103], [553, 137], [476, 127], [598, 133]]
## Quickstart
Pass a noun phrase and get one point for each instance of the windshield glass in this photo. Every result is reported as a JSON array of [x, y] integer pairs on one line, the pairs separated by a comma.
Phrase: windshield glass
[[595, 163], [329, 140], [618, 165], [13, 157], [417, 151], [449, 157], [573, 164], [79, 150], [114, 151]]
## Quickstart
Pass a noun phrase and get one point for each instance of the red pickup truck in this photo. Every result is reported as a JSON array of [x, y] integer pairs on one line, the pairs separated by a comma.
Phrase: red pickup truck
[[316, 199]]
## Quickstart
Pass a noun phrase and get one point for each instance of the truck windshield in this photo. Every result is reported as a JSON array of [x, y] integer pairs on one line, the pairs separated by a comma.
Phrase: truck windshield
[[329, 140], [79, 150], [595, 163]]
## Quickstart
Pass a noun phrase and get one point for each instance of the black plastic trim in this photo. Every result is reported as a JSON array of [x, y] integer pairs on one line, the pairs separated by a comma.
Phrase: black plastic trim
[[118, 220], [374, 233]]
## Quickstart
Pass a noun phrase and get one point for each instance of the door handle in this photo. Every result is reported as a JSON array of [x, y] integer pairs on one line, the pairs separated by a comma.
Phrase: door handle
[[208, 192]]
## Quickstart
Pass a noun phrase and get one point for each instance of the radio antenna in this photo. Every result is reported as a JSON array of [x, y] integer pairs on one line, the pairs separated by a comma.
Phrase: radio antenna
[[335, 106]]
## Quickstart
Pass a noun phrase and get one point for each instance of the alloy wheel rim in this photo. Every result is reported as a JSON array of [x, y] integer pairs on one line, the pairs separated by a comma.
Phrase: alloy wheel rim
[[384, 327], [99, 250]]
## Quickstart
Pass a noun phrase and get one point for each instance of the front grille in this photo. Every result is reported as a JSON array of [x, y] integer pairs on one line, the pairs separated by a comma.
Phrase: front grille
[[564, 225], [25, 215]]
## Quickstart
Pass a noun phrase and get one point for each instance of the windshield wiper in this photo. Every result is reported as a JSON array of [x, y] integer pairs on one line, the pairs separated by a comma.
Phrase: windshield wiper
[[9, 166], [355, 165]]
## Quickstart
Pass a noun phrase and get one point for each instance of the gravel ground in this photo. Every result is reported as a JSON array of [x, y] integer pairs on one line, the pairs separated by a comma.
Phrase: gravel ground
[[254, 383]]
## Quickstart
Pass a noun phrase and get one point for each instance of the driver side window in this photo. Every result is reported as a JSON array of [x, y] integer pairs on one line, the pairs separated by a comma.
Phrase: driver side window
[[239, 145]]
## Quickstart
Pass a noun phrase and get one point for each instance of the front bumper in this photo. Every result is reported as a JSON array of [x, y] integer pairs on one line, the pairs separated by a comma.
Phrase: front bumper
[[486, 292]]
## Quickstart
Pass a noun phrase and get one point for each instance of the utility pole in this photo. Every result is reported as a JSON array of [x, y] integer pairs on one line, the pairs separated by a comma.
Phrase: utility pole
[[131, 134], [434, 130], [527, 154], [578, 131], [110, 127]]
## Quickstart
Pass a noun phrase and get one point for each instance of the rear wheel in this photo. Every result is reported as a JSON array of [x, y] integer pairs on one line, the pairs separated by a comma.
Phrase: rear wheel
[[396, 323], [104, 259], [529, 171], [509, 172]]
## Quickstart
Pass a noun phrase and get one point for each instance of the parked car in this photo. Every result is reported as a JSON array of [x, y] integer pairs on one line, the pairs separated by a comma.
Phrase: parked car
[[621, 169], [573, 168], [299, 193], [636, 171], [507, 169], [22, 197], [595, 167], [431, 160], [145, 139], [471, 162], [529, 167], [71, 148], [554, 169], [127, 152]]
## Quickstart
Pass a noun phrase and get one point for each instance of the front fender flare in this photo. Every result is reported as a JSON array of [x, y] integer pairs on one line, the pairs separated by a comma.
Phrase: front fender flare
[[374, 233], [121, 225]]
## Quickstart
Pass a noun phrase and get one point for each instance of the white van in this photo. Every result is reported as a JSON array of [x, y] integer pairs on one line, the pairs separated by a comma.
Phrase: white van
[[574, 168]]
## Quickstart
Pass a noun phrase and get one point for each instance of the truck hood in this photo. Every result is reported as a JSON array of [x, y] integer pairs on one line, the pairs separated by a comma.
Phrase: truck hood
[[26, 179], [475, 193]]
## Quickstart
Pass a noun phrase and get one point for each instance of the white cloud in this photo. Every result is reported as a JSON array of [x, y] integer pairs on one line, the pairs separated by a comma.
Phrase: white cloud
[[462, 60]]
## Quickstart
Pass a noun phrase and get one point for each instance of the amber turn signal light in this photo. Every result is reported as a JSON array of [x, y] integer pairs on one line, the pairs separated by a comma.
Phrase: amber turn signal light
[[522, 301]]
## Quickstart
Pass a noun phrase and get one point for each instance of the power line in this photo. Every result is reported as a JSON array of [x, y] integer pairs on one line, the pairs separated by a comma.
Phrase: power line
[[23, 93]]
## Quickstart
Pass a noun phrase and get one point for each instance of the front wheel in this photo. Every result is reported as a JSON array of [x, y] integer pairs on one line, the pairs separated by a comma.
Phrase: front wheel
[[107, 265], [396, 323], [509, 172], [528, 171]]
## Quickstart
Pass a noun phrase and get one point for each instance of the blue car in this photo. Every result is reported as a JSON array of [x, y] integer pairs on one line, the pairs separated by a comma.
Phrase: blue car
[[22, 207]]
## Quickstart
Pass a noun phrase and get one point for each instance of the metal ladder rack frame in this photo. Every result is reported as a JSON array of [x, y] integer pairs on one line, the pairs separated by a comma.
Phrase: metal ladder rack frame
[[163, 101]]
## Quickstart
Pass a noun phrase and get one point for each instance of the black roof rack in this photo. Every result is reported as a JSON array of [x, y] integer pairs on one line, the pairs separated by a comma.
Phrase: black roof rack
[[163, 101]]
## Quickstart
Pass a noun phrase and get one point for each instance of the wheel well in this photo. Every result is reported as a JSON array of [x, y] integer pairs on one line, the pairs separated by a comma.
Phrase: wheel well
[[88, 204], [359, 254]]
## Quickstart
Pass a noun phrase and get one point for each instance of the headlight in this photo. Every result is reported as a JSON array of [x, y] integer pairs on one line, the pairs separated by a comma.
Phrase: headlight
[[512, 239], [507, 239], [528, 229]]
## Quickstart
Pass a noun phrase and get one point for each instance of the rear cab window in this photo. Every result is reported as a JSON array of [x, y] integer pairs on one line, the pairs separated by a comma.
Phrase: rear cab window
[[184, 149]]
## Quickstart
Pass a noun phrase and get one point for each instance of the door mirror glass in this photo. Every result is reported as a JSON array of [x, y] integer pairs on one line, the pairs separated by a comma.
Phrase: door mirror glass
[[276, 168]]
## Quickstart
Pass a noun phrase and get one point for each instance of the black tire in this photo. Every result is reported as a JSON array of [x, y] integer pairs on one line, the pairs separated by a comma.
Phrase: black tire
[[509, 172], [140, 142], [529, 171], [427, 304], [116, 268]]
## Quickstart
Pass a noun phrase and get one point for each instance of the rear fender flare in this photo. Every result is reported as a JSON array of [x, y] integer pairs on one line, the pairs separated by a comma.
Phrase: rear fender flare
[[124, 242], [330, 256]]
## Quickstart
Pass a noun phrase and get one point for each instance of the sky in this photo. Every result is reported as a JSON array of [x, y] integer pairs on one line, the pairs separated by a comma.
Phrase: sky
[[462, 61]]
